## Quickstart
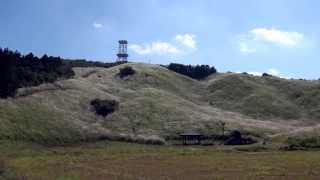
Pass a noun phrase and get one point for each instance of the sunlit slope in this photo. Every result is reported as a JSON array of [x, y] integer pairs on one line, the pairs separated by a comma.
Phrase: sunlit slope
[[154, 102], [265, 97]]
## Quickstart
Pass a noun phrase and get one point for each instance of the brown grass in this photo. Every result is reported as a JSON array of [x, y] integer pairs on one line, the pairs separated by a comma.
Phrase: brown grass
[[130, 161], [153, 102]]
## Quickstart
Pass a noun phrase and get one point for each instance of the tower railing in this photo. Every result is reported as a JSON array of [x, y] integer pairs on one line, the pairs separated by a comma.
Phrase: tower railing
[[123, 51]]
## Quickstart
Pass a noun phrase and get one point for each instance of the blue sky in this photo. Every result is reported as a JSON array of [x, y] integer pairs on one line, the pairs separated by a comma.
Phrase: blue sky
[[276, 36]]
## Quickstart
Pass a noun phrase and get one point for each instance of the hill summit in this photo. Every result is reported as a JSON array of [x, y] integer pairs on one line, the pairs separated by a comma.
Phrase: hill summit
[[156, 103]]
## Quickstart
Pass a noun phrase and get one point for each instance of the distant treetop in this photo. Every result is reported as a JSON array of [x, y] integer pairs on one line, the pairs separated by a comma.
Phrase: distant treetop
[[196, 72]]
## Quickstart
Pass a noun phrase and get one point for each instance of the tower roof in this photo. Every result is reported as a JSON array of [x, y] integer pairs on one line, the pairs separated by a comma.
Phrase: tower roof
[[123, 42], [125, 55]]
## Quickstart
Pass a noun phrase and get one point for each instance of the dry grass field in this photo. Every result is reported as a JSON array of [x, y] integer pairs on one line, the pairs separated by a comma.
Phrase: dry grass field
[[51, 131], [111, 160], [157, 103]]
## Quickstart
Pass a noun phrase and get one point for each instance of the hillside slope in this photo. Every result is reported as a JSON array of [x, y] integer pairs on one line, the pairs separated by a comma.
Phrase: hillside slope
[[265, 97], [154, 103]]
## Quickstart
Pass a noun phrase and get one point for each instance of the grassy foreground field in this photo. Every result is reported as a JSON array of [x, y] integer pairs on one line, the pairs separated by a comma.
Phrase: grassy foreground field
[[42, 128], [113, 160]]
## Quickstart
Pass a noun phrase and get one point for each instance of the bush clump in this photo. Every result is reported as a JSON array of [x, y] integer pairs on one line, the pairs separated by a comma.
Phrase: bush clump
[[236, 138], [266, 75], [126, 71], [196, 72], [104, 107]]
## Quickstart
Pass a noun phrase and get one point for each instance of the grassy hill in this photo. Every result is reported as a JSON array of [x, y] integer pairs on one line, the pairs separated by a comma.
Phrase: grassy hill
[[265, 97], [156, 103]]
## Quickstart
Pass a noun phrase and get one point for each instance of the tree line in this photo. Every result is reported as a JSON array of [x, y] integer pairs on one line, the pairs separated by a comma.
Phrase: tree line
[[86, 63], [17, 70], [196, 72]]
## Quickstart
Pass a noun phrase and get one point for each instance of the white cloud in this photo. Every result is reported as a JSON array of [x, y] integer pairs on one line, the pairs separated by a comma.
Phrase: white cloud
[[261, 39], [97, 25], [245, 48], [187, 40], [181, 44], [274, 72], [255, 73], [159, 48], [271, 71], [277, 36]]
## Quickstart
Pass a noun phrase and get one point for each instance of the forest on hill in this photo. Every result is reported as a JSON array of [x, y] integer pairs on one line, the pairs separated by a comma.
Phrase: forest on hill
[[17, 70], [196, 72]]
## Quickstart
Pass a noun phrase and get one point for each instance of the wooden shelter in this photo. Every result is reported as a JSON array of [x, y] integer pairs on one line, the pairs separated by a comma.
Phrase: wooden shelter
[[191, 138]]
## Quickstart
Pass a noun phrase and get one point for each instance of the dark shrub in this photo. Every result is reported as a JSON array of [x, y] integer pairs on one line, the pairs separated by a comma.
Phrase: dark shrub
[[236, 138], [236, 134], [126, 71], [104, 107], [196, 72], [266, 75]]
